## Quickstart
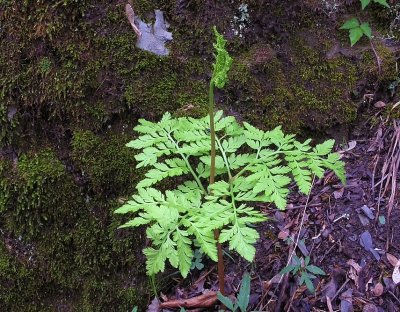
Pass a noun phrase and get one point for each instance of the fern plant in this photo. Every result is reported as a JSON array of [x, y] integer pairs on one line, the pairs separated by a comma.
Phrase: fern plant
[[250, 165]]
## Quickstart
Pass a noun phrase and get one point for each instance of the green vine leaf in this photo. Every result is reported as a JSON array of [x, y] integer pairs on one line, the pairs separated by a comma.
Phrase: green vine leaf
[[364, 3], [351, 23], [355, 35], [366, 30], [382, 2]]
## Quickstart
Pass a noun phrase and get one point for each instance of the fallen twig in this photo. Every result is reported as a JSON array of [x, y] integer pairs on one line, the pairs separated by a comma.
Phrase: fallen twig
[[203, 301]]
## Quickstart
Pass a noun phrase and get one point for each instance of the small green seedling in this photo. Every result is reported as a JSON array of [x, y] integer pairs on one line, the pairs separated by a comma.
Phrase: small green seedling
[[197, 260], [305, 270], [242, 300], [356, 28]]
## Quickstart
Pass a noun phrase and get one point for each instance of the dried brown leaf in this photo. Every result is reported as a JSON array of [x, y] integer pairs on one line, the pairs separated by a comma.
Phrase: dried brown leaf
[[378, 290], [392, 259]]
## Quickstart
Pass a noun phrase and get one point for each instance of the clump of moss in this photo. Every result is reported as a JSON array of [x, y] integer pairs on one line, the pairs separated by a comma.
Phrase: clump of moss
[[75, 248], [302, 95], [388, 61], [105, 162], [40, 193], [21, 286]]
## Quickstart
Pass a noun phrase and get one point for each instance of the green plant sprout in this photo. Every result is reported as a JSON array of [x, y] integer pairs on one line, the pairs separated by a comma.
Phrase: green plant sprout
[[197, 260], [356, 28], [223, 167], [243, 298], [305, 270]]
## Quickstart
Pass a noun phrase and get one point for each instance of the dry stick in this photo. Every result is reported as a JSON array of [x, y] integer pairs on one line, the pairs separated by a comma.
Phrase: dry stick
[[395, 161], [378, 60], [340, 289], [389, 172], [297, 240], [394, 296]]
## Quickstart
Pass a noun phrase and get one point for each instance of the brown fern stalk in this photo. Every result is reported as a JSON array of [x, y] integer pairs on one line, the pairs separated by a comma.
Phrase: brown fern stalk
[[221, 267]]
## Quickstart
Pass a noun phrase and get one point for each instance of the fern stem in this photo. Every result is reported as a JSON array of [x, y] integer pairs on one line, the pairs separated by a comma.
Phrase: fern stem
[[197, 179], [211, 108], [224, 157]]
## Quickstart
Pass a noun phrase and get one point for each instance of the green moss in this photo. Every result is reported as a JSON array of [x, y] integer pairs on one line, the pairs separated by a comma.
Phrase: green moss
[[106, 162], [312, 93], [66, 242], [102, 295], [370, 67], [21, 289], [39, 194]]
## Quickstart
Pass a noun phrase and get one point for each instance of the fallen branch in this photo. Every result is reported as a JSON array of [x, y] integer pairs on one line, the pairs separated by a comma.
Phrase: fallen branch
[[203, 301]]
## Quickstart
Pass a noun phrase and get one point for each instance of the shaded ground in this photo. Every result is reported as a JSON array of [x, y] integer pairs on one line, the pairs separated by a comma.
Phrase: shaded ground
[[332, 226]]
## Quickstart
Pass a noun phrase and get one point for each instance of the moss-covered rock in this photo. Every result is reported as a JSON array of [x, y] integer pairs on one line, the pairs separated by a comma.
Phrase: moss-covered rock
[[311, 92], [37, 194], [62, 242]]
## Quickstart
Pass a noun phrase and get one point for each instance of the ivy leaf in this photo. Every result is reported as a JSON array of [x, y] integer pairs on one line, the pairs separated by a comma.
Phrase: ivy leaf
[[351, 23], [225, 301], [244, 293], [364, 3], [309, 283], [287, 269], [383, 2], [314, 269], [366, 30], [355, 35]]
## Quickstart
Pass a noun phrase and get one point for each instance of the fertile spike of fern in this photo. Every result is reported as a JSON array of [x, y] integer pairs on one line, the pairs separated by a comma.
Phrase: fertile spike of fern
[[222, 63]]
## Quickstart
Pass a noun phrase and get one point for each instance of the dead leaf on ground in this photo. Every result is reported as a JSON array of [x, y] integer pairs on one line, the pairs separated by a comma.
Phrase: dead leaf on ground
[[354, 271], [351, 145], [154, 306], [283, 234], [396, 275], [380, 104], [392, 259], [346, 301], [378, 290], [370, 307], [339, 193]]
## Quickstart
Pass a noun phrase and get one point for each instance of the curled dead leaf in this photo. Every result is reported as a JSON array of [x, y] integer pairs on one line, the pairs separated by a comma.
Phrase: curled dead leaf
[[378, 290], [393, 260], [283, 234], [396, 275]]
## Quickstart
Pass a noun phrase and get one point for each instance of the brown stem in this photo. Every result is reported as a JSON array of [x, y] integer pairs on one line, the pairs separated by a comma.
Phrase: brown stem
[[221, 268]]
